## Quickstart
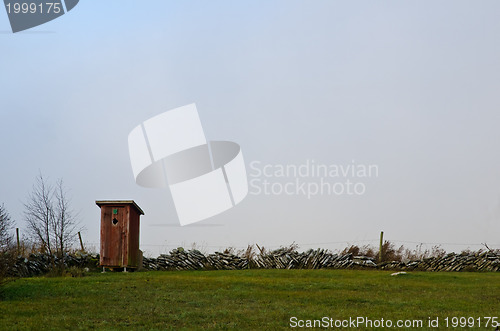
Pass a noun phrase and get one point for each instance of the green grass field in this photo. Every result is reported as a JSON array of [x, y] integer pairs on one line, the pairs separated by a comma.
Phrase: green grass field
[[246, 299]]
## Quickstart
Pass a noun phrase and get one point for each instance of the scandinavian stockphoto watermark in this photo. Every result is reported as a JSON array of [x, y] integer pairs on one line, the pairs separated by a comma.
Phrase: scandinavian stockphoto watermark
[[26, 14], [205, 178], [311, 178]]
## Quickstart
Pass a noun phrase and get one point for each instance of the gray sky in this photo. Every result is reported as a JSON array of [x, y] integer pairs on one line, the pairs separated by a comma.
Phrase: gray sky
[[409, 86]]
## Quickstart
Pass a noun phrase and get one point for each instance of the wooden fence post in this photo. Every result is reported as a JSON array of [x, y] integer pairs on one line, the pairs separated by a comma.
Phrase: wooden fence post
[[81, 242], [381, 245], [18, 242]]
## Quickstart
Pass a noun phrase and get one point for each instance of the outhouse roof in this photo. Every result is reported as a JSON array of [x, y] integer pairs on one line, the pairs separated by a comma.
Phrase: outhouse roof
[[119, 202]]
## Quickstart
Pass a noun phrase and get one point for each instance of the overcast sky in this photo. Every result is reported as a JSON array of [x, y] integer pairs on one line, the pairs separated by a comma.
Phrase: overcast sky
[[412, 87]]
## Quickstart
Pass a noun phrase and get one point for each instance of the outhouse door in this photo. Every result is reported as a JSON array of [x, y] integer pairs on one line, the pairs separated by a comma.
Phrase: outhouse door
[[114, 229]]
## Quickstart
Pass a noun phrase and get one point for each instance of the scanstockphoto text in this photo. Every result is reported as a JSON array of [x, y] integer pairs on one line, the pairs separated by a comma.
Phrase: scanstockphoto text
[[311, 178], [366, 322]]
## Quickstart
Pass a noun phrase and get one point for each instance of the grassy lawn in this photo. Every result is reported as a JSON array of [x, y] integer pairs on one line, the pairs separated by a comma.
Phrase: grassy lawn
[[246, 299]]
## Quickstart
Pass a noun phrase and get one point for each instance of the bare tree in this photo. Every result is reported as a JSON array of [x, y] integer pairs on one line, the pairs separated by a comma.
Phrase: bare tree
[[65, 223], [6, 226], [7, 256], [39, 214], [51, 222]]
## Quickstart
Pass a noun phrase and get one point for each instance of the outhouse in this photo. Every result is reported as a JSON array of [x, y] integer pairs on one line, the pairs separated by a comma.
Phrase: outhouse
[[120, 234]]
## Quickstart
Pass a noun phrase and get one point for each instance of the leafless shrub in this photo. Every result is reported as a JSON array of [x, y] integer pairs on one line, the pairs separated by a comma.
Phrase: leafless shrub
[[51, 223], [6, 226], [290, 248], [419, 253], [365, 250], [392, 253], [248, 253], [469, 251], [7, 249], [229, 250]]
